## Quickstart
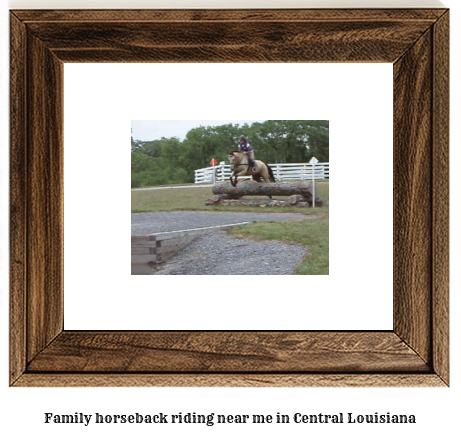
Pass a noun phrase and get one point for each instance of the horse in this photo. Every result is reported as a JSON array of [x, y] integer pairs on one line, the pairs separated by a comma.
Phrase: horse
[[240, 167]]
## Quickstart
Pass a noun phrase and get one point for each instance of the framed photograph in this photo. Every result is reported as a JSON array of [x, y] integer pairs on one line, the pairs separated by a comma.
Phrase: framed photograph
[[414, 353]]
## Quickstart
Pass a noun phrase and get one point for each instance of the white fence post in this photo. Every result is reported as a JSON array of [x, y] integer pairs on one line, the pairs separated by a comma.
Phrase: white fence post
[[313, 162]]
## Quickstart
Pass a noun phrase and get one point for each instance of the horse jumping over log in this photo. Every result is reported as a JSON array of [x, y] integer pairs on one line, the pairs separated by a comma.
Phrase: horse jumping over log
[[240, 167]]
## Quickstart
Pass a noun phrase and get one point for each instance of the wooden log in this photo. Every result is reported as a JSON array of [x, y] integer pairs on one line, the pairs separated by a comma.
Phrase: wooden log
[[263, 189], [172, 242], [261, 202], [143, 258], [293, 199], [143, 240], [172, 248], [142, 250]]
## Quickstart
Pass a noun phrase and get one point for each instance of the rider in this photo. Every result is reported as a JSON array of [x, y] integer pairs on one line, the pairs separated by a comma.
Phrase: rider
[[247, 149]]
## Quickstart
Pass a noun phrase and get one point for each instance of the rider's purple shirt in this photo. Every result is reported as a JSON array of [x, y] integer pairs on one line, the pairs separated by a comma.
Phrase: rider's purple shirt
[[246, 147]]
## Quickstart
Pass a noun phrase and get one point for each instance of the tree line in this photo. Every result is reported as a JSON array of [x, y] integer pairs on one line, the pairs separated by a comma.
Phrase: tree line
[[171, 160]]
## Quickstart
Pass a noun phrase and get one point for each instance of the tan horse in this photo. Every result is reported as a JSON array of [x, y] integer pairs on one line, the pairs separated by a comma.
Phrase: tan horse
[[240, 167]]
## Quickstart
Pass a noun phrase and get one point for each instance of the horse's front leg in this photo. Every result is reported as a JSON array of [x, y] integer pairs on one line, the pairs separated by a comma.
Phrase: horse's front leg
[[233, 180], [235, 175]]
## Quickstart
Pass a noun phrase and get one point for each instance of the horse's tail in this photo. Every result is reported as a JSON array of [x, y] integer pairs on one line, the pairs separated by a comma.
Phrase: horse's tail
[[271, 174]]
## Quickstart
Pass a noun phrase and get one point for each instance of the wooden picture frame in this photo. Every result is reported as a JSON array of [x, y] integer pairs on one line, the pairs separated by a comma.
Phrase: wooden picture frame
[[414, 353]]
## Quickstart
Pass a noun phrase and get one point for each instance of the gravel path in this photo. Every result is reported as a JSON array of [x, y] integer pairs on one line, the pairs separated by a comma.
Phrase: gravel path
[[152, 222], [219, 253], [222, 254]]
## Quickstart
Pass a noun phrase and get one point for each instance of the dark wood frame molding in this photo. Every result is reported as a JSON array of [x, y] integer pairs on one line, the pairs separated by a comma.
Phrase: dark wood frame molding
[[414, 353]]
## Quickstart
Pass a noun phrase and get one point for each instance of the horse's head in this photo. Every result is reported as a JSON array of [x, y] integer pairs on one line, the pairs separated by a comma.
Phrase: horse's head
[[234, 158]]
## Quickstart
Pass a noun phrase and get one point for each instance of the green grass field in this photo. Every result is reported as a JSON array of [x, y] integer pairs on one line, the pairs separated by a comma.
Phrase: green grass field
[[313, 233]]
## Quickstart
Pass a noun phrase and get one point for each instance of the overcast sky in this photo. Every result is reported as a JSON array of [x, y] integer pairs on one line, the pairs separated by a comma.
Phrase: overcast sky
[[148, 130]]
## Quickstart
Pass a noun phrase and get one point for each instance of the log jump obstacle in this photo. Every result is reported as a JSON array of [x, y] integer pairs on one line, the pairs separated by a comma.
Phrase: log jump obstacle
[[157, 248], [299, 194]]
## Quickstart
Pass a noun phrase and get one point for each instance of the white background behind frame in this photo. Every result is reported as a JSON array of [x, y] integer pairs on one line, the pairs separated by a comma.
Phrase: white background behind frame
[[437, 410], [100, 102]]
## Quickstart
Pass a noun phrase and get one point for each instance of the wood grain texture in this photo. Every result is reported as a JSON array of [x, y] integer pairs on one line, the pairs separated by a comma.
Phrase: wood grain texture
[[413, 196], [18, 192], [44, 170], [230, 380], [236, 352], [414, 354], [357, 41], [247, 15], [440, 190], [218, 36]]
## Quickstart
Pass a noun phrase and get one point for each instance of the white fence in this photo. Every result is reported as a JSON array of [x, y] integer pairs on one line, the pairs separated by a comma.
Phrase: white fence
[[294, 171]]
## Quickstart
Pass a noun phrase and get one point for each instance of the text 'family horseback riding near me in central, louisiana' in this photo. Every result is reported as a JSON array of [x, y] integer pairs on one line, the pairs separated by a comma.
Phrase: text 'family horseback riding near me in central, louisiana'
[[230, 197]]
